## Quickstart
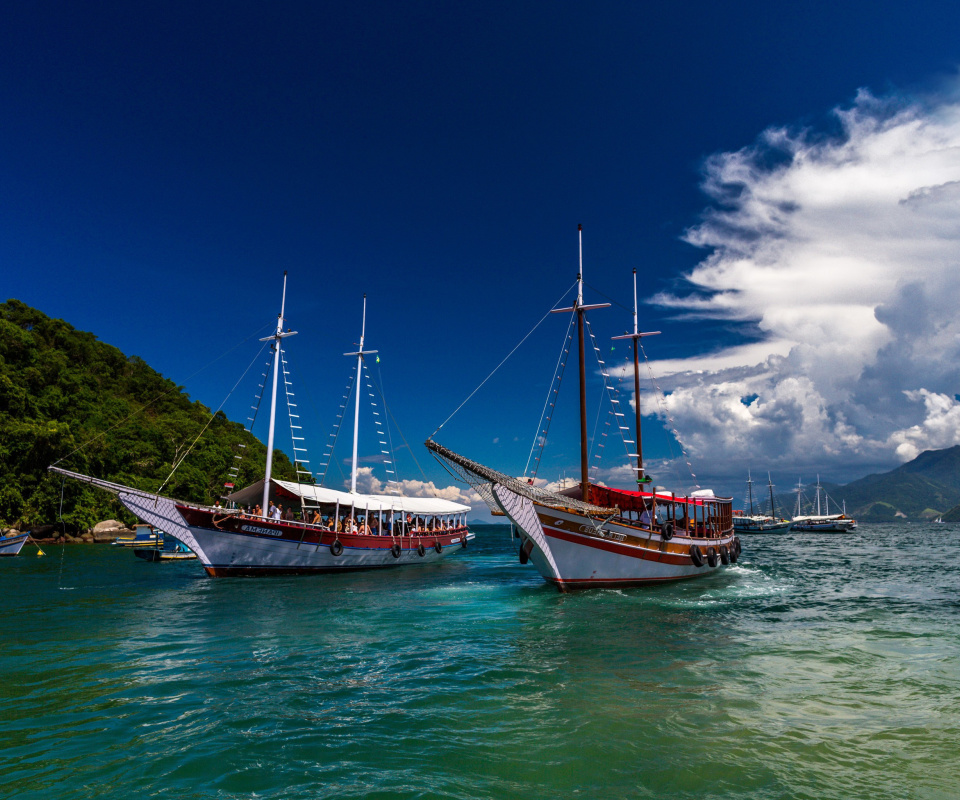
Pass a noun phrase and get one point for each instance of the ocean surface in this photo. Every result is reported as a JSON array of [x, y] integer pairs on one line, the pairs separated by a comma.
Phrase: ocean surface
[[820, 666]]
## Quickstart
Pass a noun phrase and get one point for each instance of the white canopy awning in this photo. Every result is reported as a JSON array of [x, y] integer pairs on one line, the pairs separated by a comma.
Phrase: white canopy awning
[[373, 502]]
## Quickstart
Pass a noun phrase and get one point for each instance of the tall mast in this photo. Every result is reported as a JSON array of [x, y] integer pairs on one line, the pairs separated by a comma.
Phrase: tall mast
[[637, 336], [818, 495], [580, 308], [750, 492], [584, 467], [356, 409], [773, 507], [275, 338]]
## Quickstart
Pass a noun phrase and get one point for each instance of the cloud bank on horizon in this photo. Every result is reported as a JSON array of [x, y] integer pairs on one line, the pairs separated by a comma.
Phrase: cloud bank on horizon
[[842, 251]]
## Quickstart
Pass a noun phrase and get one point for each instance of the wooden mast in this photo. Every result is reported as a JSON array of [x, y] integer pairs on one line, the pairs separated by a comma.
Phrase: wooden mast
[[637, 336], [579, 308]]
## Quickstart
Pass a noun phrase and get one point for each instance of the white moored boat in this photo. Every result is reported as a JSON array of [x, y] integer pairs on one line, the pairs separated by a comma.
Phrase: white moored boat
[[818, 522], [758, 522], [236, 542], [594, 536]]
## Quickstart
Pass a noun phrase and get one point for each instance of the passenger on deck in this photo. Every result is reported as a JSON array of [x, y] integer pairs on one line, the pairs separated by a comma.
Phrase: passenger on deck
[[646, 516], [409, 524], [375, 527], [257, 511], [289, 515], [316, 519]]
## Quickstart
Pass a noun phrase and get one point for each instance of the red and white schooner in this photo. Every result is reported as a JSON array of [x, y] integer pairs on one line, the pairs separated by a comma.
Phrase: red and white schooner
[[597, 537], [395, 530]]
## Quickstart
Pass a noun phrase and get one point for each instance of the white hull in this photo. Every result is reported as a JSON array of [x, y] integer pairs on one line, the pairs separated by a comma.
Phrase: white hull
[[847, 526], [10, 545], [225, 553], [744, 526], [572, 553]]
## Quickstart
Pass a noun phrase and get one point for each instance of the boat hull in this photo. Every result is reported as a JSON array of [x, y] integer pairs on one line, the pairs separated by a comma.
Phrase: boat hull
[[235, 545], [743, 526], [573, 552], [10, 545], [840, 526]]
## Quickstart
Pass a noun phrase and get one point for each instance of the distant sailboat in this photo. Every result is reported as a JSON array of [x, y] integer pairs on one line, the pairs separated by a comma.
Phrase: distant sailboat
[[757, 522], [820, 522]]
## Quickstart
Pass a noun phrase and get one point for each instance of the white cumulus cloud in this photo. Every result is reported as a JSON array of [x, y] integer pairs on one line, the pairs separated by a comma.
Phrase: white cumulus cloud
[[842, 250]]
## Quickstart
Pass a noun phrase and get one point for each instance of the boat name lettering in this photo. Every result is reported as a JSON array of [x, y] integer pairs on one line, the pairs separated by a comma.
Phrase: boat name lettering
[[265, 531]]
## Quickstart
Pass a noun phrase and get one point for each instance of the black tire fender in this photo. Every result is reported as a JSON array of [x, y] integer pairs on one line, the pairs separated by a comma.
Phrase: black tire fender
[[712, 556], [736, 541], [724, 554], [421, 550], [666, 531], [437, 546], [395, 551], [696, 556], [336, 548]]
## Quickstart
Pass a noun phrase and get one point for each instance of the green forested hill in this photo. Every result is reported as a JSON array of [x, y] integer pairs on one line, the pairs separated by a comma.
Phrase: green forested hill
[[62, 390], [923, 488]]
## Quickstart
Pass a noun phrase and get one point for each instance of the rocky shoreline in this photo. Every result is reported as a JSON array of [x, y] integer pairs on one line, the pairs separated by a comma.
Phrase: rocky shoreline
[[102, 533]]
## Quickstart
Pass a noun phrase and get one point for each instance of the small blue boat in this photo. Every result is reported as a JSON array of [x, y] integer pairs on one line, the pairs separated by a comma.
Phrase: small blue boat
[[143, 536], [169, 549]]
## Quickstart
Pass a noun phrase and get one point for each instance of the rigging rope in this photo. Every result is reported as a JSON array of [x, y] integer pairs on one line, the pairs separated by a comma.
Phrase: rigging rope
[[160, 396], [516, 347], [213, 416], [551, 401]]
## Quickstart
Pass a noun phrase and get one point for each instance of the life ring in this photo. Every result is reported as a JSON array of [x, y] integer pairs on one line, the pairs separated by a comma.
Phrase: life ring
[[524, 555], [711, 557], [437, 546], [666, 531], [395, 551], [421, 550], [696, 556], [724, 554], [336, 548]]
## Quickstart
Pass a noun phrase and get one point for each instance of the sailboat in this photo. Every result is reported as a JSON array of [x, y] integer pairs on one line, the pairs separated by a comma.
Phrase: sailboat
[[821, 521], [595, 536], [759, 522], [380, 531]]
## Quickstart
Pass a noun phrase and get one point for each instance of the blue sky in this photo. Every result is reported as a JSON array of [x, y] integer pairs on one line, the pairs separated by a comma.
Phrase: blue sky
[[781, 176]]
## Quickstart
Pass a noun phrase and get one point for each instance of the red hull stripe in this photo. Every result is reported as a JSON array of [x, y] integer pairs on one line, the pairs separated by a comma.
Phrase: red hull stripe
[[624, 583], [253, 572], [631, 552]]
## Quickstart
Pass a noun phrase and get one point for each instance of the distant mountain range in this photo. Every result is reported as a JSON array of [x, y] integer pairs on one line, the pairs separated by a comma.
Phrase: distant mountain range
[[923, 489]]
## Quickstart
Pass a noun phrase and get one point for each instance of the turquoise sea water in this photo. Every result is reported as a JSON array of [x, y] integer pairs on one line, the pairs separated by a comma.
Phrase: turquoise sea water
[[818, 667]]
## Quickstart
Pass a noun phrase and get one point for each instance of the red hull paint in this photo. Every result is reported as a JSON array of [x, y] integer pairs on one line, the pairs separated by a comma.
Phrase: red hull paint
[[633, 552], [304, 534], [254, 572], [627, 583]]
